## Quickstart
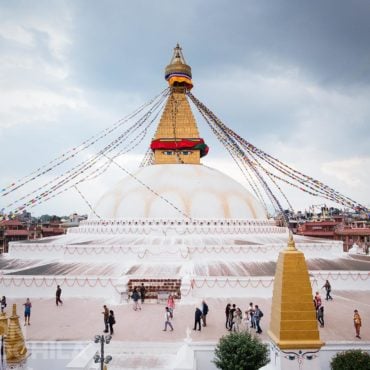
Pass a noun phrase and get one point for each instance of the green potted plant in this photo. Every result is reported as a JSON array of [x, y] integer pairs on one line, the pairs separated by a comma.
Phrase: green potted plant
[[351, 360], [240, 351]]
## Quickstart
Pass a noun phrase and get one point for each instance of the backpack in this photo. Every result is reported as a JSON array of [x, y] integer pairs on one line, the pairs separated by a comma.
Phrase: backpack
[[261, 314]]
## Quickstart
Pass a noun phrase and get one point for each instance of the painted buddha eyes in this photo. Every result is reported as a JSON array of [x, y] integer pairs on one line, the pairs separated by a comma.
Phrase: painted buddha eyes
[[183, 152]]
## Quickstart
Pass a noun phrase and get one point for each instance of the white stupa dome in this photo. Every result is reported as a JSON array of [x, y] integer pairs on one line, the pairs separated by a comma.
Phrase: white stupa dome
[[179, 191]]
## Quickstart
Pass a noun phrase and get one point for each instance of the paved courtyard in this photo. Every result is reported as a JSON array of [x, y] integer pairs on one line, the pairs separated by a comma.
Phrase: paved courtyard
[[81, 319]]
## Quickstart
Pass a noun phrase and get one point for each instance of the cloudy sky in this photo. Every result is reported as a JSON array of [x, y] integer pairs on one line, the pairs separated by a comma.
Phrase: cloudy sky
[[291, 77]]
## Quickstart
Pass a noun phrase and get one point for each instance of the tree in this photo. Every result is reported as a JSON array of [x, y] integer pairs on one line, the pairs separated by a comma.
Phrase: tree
[[351, 360], [240, 351]]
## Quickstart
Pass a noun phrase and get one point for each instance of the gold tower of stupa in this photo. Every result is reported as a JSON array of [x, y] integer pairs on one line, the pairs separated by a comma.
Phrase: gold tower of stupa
[[293, 322], [15, 346], [177, 137]]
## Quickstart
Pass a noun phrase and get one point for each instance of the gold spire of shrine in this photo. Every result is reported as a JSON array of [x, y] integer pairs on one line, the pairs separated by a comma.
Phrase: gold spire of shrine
[[293, 322], [15, 347], [177, 137]]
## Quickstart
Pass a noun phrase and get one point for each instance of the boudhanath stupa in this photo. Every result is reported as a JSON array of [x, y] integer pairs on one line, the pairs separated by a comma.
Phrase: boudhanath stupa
[[175, 225]]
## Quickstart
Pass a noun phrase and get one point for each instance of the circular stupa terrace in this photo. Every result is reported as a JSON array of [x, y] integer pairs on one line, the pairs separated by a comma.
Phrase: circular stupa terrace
[[215, 241], [193, 258]]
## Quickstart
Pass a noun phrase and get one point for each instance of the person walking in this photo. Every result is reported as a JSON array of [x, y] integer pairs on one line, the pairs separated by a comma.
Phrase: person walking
[[251, 315], [171, 304], [320, 315], [204, 312], [167, 319], [58, 294], [142, 293], [317, 300], [327, 287], [106, 318], [135, 297], [3, 303], [111, 321], [227, 314], [258, 314], [27, 311], [357, 323], [231, 316], [197, 317]]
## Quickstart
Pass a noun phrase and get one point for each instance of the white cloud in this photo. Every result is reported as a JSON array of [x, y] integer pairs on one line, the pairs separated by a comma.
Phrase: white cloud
[[353, 172]]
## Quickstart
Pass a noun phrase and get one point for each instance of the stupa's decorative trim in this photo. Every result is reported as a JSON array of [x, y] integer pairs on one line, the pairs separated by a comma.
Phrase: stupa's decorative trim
[[180, 144], [122, 248], [198, 286], [178, 226]]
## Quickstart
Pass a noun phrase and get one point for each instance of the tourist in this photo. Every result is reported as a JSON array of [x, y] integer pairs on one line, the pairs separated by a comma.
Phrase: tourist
[[27, 312], [204, 312], [317, 300], [237, 320], [171, 304], [258, 314], [231, 316], [251, 315], [142, 293], [357, 322], [58, 294], [111, 321], [106, 318], [3, 303], [197, 317], [246, 321], [227, 313], [167, 319], [135, 297], [320, 315], [327, 287]]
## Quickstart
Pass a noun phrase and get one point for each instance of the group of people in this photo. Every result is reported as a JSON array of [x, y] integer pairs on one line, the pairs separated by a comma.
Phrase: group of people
[[317, 301], [109, 320], [236, 321], [138, 294], [200, 316], [320, 309]]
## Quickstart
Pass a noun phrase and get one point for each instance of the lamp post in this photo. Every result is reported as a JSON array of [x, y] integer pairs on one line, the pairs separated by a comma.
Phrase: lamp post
[[101, 358]]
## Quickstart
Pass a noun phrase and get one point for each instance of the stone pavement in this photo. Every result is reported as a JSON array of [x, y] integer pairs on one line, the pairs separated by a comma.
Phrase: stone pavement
[[81, 319]]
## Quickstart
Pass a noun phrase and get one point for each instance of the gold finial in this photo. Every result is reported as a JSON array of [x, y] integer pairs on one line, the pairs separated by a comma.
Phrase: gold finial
[[178, 73], [291, 242], [14, 310]]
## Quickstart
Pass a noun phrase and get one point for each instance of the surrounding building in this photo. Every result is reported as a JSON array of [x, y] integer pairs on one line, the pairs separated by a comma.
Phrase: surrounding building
[[350, 228], [24, 227]]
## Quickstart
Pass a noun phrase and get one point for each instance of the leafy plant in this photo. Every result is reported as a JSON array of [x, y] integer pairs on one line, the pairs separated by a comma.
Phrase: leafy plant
[[240, 351], [351, 360]]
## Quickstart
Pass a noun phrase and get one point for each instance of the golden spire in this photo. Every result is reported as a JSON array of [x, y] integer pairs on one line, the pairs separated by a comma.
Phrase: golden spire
[[15, 347], [178, 73], [293, 323], [177, 138], [3, 323], [291, 242]]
